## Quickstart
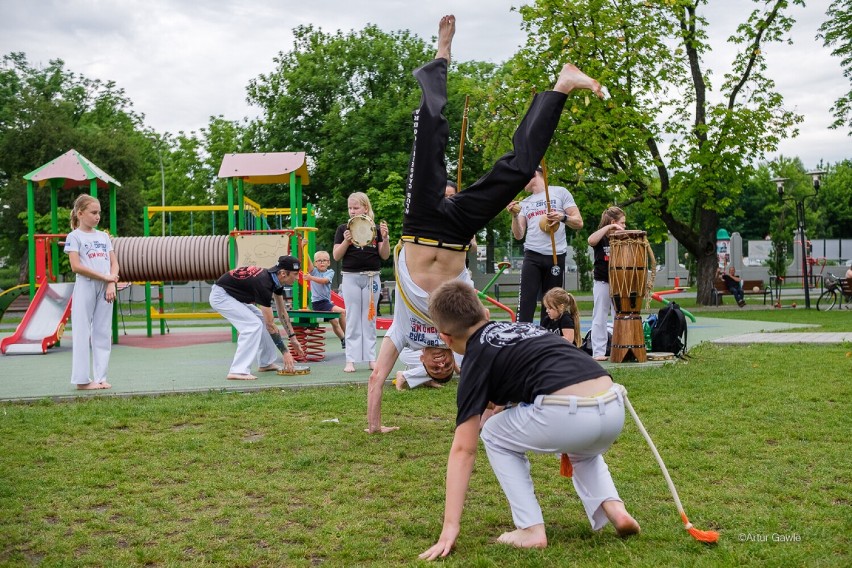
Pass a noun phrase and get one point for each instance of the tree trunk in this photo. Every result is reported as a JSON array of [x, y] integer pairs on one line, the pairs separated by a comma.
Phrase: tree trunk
[[706, 256], [489, 251]]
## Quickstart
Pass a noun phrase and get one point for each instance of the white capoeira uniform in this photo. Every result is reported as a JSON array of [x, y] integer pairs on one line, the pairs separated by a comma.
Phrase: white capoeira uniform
[[409, 332], [254, 342], [357, 289], [520, 364], [91, 314]]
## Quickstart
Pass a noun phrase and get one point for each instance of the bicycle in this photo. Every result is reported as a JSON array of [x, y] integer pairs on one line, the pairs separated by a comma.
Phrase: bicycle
[[836, 289]]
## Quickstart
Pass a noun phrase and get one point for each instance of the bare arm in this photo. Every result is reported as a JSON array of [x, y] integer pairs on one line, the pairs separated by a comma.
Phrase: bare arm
[[339, 249], [78, 268], [519, 223], [575, 219], [284, 317], [387, 357], [596, 237], [384, 246], [459, 470]]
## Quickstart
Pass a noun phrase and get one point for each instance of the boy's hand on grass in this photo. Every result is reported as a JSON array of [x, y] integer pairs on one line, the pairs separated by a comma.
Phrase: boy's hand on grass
[[443, 547]]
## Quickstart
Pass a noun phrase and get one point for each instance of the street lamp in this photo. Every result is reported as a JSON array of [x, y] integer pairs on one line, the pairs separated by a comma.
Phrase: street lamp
[[799, 200]]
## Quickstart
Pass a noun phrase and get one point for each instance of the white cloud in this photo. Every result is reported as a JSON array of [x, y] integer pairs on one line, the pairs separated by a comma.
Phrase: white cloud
[[182, 61]]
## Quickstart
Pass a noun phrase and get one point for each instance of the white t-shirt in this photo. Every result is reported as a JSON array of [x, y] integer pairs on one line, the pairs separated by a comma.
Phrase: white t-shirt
[[533, 208], [94, 249]]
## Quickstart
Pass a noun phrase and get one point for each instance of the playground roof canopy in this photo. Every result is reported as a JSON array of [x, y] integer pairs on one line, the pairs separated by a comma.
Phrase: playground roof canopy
[[267, 167], [75, 169]]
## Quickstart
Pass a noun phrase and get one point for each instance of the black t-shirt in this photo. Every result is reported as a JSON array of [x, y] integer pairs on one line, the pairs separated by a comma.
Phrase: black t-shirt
[[250, 285], [360, 259], [515, 362], [601, 272], [565, 321]]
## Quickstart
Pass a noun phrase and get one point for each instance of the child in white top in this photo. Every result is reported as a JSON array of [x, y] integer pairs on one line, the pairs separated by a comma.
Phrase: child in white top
[[96, 266]]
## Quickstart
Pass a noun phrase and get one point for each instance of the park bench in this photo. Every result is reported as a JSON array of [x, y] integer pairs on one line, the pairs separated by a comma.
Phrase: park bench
[[750, 288]]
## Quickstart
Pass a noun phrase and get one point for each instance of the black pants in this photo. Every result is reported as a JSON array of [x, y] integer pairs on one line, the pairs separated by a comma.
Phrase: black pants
[[537, 278], [456, 220]]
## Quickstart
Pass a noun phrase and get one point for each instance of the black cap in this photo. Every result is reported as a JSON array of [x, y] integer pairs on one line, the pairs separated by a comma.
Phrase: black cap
[[289, 263]]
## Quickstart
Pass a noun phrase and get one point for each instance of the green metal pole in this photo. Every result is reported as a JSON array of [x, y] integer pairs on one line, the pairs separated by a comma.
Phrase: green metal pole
[[232, 245], [54, 228], [113, 226], [31, 236], [146, 231]]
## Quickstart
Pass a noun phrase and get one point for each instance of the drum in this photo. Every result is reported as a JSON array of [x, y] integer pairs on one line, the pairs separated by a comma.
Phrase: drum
[[362, 229], [628, 287], [628, 270], [297, 370]]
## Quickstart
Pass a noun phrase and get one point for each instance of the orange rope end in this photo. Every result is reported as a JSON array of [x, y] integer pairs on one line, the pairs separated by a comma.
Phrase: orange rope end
[[697, 534], [565, 467], [710, 537]]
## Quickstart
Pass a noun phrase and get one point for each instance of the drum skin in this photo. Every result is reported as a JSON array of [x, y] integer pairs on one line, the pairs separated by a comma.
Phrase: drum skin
[[362, 230]]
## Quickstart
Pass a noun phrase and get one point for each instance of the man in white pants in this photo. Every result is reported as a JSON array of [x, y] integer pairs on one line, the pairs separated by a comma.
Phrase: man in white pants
[[234, 296]]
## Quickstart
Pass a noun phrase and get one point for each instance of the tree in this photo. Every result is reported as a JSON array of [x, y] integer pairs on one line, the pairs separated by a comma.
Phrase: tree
[[836, 32], [346, 100], [664, 142], [47, 111]]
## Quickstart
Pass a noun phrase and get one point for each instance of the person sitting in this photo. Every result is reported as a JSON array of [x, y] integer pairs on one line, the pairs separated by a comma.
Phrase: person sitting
[[733, 283]]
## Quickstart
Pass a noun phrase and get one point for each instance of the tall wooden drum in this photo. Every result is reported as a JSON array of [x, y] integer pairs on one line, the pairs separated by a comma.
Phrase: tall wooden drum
[[628, 287]]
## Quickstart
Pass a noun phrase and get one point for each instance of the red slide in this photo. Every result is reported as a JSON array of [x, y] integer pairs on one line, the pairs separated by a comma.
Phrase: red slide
[[44, 321]]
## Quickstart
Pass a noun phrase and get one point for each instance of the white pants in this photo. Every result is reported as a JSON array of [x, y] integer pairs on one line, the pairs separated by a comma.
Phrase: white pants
[[360, 331], [602, 309], [584, 433], [254, 341], [91, 330]]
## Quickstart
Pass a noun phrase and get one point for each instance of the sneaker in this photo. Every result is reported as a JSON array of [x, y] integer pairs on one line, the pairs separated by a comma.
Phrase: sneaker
[[741, 303], [343, 344]]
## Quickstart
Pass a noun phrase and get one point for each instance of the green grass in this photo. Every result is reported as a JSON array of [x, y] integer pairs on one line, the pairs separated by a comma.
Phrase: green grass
[[754, 437]]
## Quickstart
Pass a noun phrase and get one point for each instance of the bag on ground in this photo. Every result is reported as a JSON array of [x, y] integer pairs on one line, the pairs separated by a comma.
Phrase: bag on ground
[[669, 333], [587, 341]]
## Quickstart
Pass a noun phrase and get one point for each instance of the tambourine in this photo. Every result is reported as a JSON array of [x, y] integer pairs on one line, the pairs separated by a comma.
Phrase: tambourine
[[297, 370], [660, 356], [362, 230]]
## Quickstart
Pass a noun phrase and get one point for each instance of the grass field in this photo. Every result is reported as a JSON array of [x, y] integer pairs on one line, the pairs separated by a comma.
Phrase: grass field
[[754, 437]]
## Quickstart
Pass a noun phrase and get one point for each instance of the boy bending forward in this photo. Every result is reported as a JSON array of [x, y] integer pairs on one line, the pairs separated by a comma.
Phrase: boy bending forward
[[564, 402]]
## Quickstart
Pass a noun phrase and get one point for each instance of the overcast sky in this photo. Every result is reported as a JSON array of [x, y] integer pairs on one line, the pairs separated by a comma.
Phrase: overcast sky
[[182, 61]]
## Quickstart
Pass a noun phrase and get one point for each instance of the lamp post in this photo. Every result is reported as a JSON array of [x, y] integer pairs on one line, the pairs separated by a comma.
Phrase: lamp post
[[799, 200], [158, 141]]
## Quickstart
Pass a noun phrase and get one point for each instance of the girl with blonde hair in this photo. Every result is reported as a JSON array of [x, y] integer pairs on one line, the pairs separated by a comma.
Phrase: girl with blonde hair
[[96, 266], [360, 284], [562, 316]]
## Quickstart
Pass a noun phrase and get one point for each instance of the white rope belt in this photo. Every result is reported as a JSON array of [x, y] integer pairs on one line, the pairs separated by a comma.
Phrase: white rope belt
[[579, 401]]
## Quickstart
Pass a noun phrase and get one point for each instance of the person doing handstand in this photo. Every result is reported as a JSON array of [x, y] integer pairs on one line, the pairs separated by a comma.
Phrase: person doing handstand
[[437, 231], [564, 402]]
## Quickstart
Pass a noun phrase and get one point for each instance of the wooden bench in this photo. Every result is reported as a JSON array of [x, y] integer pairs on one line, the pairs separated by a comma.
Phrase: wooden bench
[[750, 288]]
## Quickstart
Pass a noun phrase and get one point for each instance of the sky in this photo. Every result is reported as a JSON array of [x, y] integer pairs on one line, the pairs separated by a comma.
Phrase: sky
[[182, 61]]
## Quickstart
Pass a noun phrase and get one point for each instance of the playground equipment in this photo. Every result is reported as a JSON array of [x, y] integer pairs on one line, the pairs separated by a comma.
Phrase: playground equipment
[[153, 260], [44, 321]]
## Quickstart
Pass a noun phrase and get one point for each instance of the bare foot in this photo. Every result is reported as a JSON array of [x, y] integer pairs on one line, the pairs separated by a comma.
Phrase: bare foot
[[240, 377], [531, 537], [89, 386], [624, 524], [571, 78], [349, 368], [399, 383], [446, 31], [105, 385], [600, 357]]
